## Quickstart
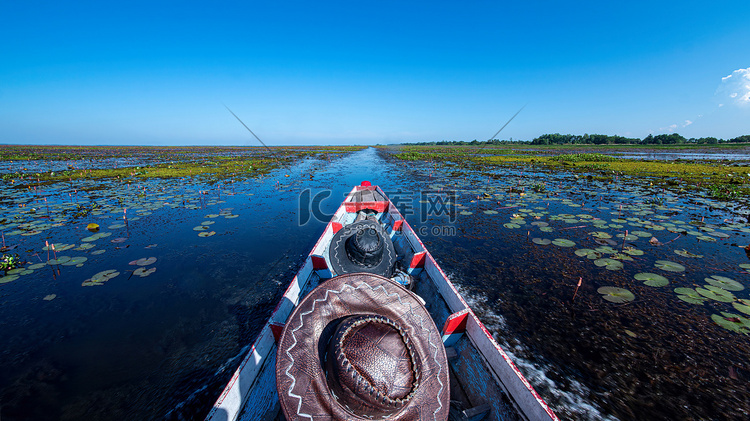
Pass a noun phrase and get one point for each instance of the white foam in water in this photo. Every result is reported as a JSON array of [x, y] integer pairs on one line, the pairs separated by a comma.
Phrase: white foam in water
[[570, 403]]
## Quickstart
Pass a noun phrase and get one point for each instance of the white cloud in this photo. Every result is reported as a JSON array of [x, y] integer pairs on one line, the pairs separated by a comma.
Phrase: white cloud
[[687, 123], [735, 88], [669, 128]]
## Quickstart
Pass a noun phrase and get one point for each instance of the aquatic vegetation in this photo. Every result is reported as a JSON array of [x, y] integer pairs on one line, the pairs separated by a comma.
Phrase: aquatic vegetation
[[733, 322], [143, 272], [145, 261], [616, 295], [101, 277], [715, 293], [651, 279], [685, 253], [609, 264], [562, 242], [669, 266], [9, 261], [724, 283], [584, 157], [742, 305]]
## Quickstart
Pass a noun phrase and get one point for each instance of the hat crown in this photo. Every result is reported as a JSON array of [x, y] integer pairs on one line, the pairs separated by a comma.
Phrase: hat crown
[[365, 248], [372, 365]]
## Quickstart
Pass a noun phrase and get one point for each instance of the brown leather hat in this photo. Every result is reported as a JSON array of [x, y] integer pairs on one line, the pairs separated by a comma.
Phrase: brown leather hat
[[360, 347]]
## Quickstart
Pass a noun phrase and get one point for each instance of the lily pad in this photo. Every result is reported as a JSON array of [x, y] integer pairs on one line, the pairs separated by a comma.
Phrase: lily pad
[[541, 241], [58, 247], [8, 278], [206, 233], [143, 272], [733, 322], [606, 250], [208, 222], [49, 297], [685, 253], [615, 294], [725, 283], [75, 261], [689, 295], [488, 212], [466, 213], [61, 260], [652, 279], [92, 227], [145, 261], [629, 237], [632, 251], [37, 266], [97, 252], [200, 228], [715, 293], [587, 253], [609, 264], [105, 275], [511, 225], [563, 242], [600, 234], [669, 266], [742, 305]]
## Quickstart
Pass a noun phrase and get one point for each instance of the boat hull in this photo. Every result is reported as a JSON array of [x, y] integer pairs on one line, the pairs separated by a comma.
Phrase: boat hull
[[484, 380]]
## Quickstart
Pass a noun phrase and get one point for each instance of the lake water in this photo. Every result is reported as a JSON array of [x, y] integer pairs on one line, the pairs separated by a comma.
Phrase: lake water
[[162, 345]]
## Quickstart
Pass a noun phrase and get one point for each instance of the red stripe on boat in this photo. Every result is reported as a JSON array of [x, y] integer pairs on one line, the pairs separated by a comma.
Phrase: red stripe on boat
[[353, 207], [336, 226], [319, 262], [398, 224], [456, 322], [417, 261], [277, 329], [366, 183]]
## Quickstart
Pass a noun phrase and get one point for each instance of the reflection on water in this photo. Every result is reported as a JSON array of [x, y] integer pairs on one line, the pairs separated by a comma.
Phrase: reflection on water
[[163, 345], [685, 156]]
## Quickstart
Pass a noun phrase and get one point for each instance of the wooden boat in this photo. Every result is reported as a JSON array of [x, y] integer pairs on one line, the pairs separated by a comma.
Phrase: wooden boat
[[485, 383]]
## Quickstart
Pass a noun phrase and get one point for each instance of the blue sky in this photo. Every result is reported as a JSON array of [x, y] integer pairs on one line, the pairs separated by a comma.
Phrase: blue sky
[[365, 72]]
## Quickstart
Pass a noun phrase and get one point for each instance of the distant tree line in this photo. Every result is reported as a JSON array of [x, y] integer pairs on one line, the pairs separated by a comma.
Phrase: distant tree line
[[599, 139]]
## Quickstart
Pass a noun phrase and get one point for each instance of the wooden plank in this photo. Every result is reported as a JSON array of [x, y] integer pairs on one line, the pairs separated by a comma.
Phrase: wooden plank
[[476, 413], [353, 207], [450, 353]]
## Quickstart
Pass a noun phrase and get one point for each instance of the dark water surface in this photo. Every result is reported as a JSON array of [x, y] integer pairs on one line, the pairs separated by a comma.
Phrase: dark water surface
[[162, 346]]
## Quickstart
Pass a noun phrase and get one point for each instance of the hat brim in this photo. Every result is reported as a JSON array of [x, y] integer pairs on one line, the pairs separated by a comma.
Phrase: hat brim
[[340, 262], [300, 377]]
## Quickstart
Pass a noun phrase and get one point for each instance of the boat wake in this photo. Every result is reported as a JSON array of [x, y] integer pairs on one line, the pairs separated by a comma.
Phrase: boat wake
[[568, 401]]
